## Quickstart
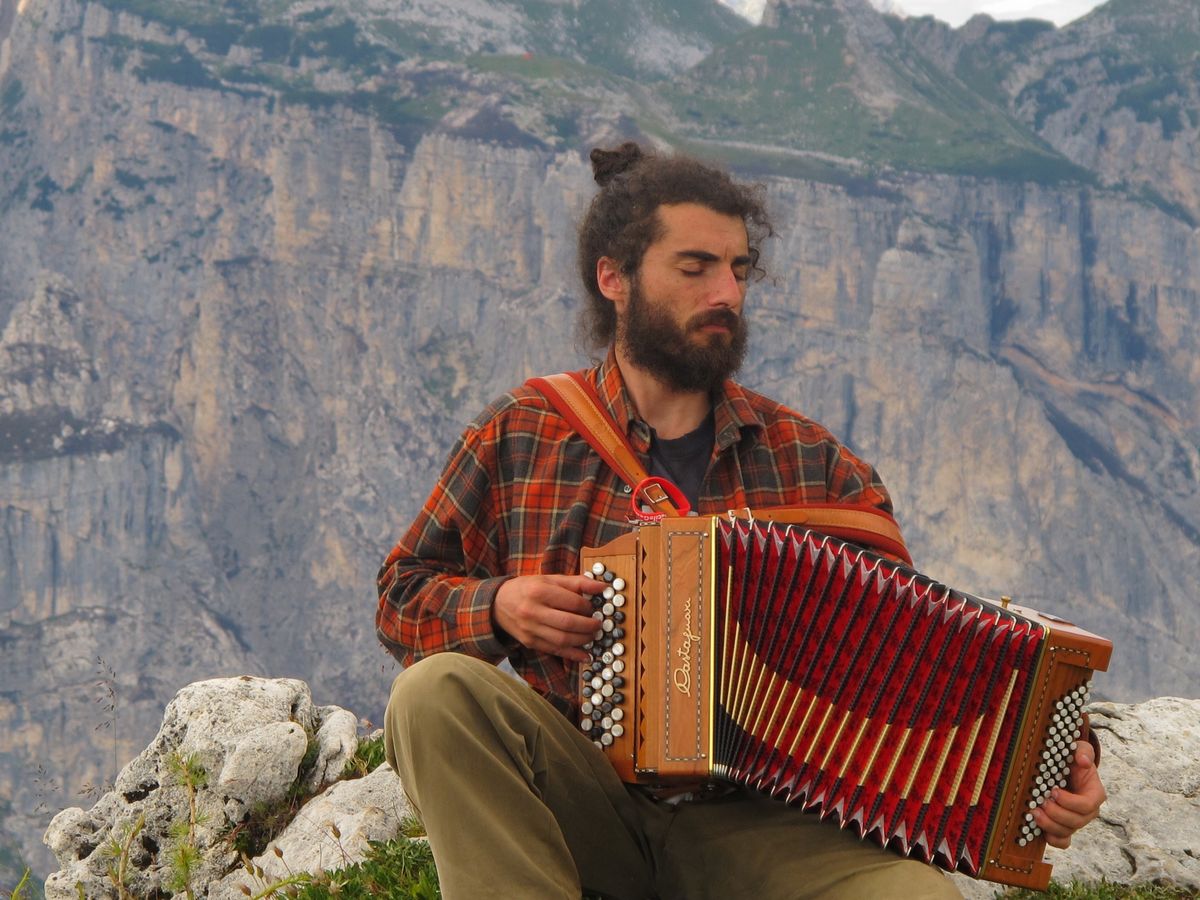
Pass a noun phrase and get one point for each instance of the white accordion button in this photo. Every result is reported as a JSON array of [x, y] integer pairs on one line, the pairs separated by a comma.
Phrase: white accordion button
[[618, 649], [617, 730], [618, 600], [619, 584], [618, 666], [598, 568]]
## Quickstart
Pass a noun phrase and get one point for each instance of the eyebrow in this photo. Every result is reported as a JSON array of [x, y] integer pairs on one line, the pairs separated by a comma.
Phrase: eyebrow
[[705, 256]]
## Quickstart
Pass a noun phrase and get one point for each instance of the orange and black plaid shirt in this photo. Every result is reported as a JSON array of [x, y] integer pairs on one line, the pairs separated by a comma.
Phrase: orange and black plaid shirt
[[523, 492]]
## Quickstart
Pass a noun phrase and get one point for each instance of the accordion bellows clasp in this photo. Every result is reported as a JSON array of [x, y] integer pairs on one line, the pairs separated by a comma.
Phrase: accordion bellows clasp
[[921, 717]]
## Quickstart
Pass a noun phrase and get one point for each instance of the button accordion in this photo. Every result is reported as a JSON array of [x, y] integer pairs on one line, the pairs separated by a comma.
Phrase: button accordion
[[773, 657]]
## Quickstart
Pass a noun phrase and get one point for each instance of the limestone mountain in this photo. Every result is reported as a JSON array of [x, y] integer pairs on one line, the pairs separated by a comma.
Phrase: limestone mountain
[[259, 263], [835, 77], [1116, 92]]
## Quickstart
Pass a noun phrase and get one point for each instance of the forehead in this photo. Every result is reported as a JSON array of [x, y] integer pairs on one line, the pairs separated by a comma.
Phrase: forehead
[[691, 226]]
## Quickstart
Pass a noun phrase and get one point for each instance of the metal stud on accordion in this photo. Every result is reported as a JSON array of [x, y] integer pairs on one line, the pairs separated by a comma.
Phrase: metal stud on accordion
[[918, 716]]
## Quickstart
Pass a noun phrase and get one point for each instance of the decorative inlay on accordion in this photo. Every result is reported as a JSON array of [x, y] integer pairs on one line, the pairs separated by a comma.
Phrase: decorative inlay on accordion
[[925, 719]]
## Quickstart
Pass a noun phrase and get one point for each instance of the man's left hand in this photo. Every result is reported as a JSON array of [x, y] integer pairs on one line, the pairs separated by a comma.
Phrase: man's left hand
[[1070, 808]]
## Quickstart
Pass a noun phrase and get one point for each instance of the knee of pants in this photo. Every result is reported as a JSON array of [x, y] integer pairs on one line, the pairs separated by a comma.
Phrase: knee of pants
[[427, 695]]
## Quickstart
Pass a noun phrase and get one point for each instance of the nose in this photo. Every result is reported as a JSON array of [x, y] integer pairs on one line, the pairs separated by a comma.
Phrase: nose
[[729, 290]]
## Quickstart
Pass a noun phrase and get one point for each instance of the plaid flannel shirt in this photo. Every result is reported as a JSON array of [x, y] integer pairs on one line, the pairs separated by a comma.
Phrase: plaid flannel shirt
[[523, 492]]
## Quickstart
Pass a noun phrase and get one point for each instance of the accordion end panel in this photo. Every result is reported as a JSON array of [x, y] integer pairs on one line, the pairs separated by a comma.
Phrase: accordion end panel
[[1053, 722]]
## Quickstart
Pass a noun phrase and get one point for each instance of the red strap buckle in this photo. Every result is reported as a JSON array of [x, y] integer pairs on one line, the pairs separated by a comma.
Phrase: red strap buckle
[[655, 490]]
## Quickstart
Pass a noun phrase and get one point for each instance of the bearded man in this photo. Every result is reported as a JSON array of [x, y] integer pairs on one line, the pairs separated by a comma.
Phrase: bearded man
[[516, 800]]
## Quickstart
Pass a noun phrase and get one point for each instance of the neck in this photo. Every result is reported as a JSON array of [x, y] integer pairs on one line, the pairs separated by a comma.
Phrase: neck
[[669, 412]]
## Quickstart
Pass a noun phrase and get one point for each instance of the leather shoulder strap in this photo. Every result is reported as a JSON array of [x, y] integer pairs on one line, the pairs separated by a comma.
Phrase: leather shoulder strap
[[577, 401], [858, 523]]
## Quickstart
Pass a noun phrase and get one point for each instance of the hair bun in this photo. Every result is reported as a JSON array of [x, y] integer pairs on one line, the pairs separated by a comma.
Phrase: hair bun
[[608, 164]]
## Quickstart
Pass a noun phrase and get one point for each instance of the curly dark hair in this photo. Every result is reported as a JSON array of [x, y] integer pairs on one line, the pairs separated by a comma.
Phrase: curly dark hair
[[622, 220]]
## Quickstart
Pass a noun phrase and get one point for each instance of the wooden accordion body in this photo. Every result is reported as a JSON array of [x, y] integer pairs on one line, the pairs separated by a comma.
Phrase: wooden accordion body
[[927, 720]]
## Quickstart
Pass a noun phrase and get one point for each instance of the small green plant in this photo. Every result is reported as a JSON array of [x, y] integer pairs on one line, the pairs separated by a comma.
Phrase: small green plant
[[368, 756], [286, 886], [18, 893], [117, 850], [185, 855], [411, 827]]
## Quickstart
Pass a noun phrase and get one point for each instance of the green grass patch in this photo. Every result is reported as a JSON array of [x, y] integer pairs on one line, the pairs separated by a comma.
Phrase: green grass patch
[[368, 756], [400, 869], [408, 39], [534, 67], [1102, 890]]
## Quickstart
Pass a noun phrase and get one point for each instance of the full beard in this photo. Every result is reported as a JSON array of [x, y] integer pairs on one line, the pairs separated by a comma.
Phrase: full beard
[[685, 358]]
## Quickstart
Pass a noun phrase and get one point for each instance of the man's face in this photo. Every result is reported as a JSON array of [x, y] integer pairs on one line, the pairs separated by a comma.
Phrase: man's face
[[681, 318]]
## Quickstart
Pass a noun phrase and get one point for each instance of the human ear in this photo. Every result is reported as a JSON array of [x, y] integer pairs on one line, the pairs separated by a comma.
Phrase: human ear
[[612, 281]]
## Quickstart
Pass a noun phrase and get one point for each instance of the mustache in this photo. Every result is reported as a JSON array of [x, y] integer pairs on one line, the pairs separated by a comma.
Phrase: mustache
[[726, 318]]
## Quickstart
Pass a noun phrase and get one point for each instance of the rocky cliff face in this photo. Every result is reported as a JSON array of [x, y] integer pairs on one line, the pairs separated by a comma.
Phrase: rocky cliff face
[[240, 326]]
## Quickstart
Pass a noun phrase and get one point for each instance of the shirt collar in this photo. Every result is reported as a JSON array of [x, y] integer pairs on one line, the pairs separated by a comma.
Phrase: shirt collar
[[734, 414]]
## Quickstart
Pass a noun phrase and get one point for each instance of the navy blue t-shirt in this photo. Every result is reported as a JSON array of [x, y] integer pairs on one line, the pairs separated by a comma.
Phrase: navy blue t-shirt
[[684, 460]]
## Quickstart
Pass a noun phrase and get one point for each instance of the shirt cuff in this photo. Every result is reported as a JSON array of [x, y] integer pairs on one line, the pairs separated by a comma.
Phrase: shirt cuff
[[478, 635]]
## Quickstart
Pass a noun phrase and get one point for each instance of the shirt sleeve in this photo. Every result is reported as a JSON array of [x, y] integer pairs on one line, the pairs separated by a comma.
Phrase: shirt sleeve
[[850, 480], [437, 585]]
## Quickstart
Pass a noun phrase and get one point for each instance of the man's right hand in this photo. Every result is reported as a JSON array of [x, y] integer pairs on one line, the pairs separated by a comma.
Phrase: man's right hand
[[548, 613]]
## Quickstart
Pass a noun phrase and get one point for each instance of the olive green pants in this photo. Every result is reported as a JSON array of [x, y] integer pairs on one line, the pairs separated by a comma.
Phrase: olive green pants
[[518, 803]]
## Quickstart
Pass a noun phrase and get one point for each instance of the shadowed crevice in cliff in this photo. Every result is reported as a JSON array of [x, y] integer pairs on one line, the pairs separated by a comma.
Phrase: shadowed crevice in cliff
[[1101, 459], [28, 436], [1087, 448]]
